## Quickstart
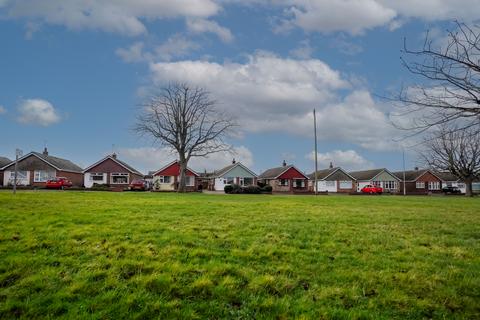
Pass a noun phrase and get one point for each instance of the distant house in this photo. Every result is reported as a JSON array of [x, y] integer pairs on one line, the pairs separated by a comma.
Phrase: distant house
[[286, 178], [110, 171], [419, 181], [34, 169], [333, 180], [168, 177], [377, 177], [450, 180], [235, 173], [3, 162]]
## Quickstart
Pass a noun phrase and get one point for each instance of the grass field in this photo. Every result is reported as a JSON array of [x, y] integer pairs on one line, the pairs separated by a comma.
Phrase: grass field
[[152, 255]]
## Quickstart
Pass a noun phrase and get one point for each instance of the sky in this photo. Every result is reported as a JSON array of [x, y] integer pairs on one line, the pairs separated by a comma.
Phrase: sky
[[74, 74]]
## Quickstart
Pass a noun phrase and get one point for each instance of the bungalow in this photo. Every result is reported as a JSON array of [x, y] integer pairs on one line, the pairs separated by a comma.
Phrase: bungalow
[[3, 162], [286, 178], [333, 180], [110, 171], [378, 177], [419, 181], [235, 173], [34, 169], [168, 177], [450, 180]]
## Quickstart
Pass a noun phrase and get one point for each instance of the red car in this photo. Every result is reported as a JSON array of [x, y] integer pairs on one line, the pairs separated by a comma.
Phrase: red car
[[58, 183], [140, 185], [371, 189]]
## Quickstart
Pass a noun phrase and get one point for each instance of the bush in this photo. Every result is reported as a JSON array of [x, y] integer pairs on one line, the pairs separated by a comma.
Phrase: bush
[[100, 187], [228, 188], [252, 190], [267, 188]]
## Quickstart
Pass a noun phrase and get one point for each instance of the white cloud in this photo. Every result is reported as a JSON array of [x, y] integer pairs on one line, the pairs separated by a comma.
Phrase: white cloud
[[2, 110], [150, 159], [272, 94], [203, 25], [134, 53], [303, 51], [118, 16], [347, 159], [37, 112]]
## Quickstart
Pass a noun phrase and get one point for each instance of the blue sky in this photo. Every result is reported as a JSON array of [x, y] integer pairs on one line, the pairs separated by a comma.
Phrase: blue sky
[[73, 74]]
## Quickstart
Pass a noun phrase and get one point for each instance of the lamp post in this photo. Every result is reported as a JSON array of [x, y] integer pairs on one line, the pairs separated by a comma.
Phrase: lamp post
[[316, 162]]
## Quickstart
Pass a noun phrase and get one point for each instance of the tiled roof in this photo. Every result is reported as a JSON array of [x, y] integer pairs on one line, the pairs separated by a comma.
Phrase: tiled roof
[[366, 174], [274, 172], [4, 161], [322, 174], [410, 175], [61, 164]]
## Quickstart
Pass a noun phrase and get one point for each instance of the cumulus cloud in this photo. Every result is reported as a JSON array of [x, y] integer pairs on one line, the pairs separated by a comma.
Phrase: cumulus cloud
[[203, 25], [151, 159], [37, 112], [272, 94], [118, 16], [2, 110], [347, 159]]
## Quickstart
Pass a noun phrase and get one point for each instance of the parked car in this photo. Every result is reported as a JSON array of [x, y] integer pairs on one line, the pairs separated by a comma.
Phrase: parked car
[[451, 190], [140, 185], [371, 189], [58, 183]]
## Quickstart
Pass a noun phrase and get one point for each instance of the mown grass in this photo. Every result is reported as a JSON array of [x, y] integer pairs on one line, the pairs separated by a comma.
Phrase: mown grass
[[151, 255]]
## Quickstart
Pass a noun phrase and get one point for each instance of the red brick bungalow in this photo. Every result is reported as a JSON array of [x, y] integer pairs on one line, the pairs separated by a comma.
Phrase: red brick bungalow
[[419, 181], [168, 177], [34, 169], [286, 178], [112, 172], [3, 162]]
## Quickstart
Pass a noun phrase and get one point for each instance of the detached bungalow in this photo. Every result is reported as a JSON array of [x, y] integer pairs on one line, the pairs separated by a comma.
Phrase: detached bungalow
[[110, 171], [34, 169], [286, 178], [377, 177], [450, 180], [419, 181], [3, 162], [236, 173], [333, 180], [168, 177]]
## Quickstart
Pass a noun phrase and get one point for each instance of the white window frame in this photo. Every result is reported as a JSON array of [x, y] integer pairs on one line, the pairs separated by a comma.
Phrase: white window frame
[[283, 184], [345, 184], [390, 185], [245, 178], [189, 181], [433, 185], [119, 174], [302, 183], [229, 180], [330, 184], [96, 174], [420, 185], [47, 175], [161, 179]]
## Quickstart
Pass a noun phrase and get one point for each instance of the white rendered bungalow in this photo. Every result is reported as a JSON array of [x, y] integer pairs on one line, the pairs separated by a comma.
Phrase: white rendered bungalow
[[236, 173], [377, 177]]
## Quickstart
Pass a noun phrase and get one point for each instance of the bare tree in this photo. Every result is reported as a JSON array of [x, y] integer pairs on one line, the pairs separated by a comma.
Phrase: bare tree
[[185, 119], [451, 92], [455, 151]]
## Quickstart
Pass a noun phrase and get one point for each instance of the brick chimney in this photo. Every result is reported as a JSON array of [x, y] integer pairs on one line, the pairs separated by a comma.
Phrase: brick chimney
[[284, 163], [233, 161], [114, 155], [416, 168], [45, 151], [331, 165]]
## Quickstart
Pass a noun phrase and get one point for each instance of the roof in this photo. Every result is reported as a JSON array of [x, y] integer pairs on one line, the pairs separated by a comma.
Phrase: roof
[[4, 161], [115, 159], [413, 175], [273, 173], [170, 164], [223, 171], [325, 173], [58, 163], [369, 174], [447, 176]]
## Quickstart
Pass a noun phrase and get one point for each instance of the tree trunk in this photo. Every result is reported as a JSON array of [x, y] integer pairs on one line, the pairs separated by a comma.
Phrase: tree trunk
[[468, 187], [183, 168]]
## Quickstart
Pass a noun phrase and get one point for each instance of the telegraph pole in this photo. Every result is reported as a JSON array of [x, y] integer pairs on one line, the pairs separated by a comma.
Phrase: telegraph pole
[[316, 163], [404, 186], [18, 153]]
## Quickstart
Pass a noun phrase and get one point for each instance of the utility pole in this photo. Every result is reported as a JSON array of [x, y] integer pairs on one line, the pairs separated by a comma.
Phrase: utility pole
[[404, 186], [18, 153], [316, 163]]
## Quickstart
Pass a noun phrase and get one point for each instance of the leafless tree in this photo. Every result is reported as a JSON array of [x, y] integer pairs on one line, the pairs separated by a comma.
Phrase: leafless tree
[[455, 151], [451, 92], [187, 120]]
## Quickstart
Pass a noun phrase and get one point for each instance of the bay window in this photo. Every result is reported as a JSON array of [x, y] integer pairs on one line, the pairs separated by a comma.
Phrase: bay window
[[43, 175], [346, 184], [119, 178]]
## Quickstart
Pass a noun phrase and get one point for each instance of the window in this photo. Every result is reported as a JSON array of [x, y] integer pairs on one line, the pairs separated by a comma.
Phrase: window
[[165, 179], [189, 181], [330, 184], [377, 183], [247, 181], [96, 176], [284, 182], [420, 185], [433, 185], [229, 180], [299, 183], [119, 178], [460, 185], [390, 185], [43, 175], [346, 184], [22, 177]]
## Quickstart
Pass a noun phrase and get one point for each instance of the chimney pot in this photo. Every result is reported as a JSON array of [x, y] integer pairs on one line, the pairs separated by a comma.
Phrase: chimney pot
[[416, 168], [233, 161], [114, 155], [284, 163], [331, 165], [45, 151]]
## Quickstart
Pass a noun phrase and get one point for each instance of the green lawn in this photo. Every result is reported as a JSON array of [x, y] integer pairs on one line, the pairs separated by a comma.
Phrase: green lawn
[[154, 255]]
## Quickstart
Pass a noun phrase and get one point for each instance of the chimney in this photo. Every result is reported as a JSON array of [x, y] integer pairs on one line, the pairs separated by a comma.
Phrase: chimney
[[114, 155], [284, 163], [45, 151], [233, 161], [416, 168], [331, 165]]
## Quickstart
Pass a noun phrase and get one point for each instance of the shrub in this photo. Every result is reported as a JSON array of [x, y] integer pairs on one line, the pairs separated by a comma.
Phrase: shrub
[[237, 189], [228, 188], [252, 189], [100, 187], [267, 188]]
